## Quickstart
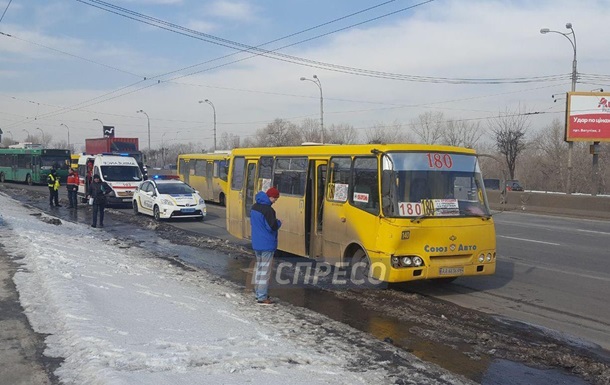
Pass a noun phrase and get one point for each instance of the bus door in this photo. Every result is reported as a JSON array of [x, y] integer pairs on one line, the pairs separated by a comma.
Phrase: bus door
[[249, 192], [14, 167], [209, 180], [334, 216], [314, 223], [185, 169], [235, 197]]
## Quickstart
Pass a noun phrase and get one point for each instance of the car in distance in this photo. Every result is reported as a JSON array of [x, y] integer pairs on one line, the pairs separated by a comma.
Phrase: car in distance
[[513, 185], [164, 197]]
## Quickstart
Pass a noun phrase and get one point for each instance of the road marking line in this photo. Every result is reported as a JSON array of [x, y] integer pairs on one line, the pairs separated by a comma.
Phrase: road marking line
[[529, 240], [593, 231], [517, 261]]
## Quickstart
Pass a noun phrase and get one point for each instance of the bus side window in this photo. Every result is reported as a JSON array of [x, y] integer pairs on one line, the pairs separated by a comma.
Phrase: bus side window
[[365, 194], [338, 180], [237, 178]]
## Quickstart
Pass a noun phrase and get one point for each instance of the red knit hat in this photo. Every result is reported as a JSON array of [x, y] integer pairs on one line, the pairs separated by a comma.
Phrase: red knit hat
[[273, 193]]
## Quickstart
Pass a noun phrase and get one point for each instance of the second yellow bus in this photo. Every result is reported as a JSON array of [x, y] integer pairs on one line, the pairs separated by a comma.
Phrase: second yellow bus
[[206, 173]]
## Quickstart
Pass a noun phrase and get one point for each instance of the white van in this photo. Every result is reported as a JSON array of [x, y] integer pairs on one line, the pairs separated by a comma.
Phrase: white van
[[122, 174]]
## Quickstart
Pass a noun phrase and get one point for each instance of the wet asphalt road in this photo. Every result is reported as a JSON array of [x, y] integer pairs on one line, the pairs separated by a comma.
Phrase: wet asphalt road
[[511, 292]]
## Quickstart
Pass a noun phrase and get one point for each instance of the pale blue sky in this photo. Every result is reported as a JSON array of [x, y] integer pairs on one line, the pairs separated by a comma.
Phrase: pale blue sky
[[64, 53]]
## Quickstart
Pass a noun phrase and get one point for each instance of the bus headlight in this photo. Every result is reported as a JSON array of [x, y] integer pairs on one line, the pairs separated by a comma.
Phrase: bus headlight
[[481, 258], [488, 257], [417, 261], [406, 261], [395, 261]]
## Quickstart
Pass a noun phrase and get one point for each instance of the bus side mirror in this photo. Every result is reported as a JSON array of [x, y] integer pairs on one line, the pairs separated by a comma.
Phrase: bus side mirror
[[387, 179]]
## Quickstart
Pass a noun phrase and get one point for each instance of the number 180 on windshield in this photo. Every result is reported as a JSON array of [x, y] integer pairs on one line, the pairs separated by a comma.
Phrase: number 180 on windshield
[[439, 161]]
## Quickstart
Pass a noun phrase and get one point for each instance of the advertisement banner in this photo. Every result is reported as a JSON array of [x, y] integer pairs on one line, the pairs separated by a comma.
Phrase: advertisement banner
[[588, 117]]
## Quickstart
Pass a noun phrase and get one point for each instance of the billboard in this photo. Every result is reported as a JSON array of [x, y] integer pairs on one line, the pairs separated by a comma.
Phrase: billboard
[[588, 117], [108, 131]]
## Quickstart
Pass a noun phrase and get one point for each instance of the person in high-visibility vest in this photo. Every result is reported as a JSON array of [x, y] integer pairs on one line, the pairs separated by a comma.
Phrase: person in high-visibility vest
[[53, 183], [72, 185]]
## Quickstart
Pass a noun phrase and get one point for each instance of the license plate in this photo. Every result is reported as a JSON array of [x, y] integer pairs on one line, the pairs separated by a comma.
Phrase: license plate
[[451, 271], [187, 210], [126, 200]]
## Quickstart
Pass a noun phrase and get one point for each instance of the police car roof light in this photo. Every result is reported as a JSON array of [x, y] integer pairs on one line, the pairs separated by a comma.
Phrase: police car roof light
[[165, 177]]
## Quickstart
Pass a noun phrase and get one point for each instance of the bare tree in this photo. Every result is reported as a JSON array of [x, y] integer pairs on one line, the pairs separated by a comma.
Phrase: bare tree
[[462, 133], [386, 134], [549, 162], [310, 131], [509, 130], [429, 127], [280, 132], [228, 141], [341, 134]]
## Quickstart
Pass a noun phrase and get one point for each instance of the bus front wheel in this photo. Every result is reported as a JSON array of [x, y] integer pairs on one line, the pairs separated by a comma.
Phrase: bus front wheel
[[360, 266], [28, 179], [221, 199]]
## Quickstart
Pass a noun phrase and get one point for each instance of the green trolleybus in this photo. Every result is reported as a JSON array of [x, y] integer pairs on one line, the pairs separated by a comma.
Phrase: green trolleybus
[[32, 165]]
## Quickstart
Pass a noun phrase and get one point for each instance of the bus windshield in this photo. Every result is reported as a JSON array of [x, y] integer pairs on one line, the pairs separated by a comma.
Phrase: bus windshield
[[58, 161], [432, 184], [121, 173]]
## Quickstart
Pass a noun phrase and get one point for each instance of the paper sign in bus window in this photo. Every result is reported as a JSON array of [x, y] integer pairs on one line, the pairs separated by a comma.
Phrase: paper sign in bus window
[[361, 197], [265, 184], [340, 192]]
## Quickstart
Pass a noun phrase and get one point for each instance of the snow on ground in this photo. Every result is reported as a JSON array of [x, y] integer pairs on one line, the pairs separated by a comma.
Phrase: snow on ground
[[122, 316]]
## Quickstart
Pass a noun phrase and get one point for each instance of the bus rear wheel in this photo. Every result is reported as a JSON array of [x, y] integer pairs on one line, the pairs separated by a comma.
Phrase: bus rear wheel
[[2, 179], [28, 179]]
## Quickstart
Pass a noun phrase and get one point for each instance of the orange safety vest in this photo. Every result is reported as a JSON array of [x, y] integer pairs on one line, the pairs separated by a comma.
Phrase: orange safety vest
[[72, 179]]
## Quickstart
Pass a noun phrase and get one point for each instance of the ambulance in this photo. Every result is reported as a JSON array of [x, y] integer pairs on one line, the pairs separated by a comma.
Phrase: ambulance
[[122, 174]]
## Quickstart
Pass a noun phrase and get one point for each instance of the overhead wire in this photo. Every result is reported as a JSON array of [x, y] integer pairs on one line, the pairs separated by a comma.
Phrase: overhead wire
[[273, 54], [5, 9], [80, 105], [250, 48]]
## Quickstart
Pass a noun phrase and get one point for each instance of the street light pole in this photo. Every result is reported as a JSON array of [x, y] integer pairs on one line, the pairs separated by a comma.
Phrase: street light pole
[[27, 132], [572, 41], [318, 83], [102, 124], [68, 128], [208, 101], [148, 120], [163, 147], [42, 132]]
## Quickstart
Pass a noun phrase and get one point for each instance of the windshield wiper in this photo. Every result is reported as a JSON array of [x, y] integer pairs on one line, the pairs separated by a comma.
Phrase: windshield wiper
[[419, 218]]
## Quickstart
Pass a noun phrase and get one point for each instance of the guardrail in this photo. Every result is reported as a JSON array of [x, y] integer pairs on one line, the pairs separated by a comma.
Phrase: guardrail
[[585, 206]]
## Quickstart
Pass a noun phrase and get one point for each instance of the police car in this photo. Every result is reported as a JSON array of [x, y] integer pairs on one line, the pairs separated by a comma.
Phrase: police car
[[166, 197]]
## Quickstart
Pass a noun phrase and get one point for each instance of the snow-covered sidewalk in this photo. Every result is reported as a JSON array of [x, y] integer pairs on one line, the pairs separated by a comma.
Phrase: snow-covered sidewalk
[[121, 316]]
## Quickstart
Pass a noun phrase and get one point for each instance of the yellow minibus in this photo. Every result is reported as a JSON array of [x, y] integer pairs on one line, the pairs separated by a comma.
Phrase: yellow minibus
[[401, 211], [206, 173]]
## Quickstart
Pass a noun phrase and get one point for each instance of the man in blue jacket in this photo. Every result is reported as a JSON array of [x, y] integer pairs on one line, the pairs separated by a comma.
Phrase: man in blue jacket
[[264, 226]]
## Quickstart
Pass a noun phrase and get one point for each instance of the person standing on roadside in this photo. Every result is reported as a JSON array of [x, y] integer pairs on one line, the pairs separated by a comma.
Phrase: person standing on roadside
[[98, 191], [265, 228], [72, 185], [53, 183]]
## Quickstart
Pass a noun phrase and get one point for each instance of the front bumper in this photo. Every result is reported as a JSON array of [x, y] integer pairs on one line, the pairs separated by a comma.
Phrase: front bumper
[[168, 212]]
